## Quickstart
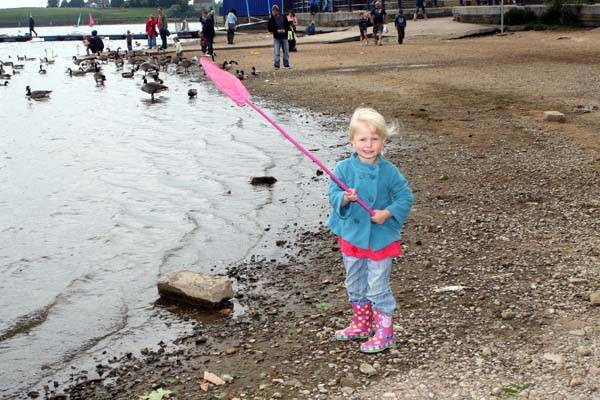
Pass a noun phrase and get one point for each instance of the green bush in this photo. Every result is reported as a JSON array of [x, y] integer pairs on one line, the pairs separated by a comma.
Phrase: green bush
[[536, 27], [519, 16], [552, 15]]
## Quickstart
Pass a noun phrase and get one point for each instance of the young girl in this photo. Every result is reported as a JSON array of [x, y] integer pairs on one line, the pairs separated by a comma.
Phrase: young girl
[[363, 25], [368, 243]]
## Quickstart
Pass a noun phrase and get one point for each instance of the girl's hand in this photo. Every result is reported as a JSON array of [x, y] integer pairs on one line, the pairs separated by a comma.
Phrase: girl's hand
[[350, 195], [379, 216]]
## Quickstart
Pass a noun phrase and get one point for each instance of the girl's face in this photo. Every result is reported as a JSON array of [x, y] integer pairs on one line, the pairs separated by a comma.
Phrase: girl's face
[[367, 143]]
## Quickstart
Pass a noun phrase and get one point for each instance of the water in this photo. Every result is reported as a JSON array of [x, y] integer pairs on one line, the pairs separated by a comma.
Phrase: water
[[102, 192]]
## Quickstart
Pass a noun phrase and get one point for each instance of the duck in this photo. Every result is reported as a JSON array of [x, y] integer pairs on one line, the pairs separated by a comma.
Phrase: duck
[[226, 66], [37, 94], [99, 77], [77, 72], [128, 74], [192, 93], [153, 87], [42, 71]]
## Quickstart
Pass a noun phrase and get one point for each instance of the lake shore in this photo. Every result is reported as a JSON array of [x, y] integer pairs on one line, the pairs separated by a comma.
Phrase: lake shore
[[502, 251]]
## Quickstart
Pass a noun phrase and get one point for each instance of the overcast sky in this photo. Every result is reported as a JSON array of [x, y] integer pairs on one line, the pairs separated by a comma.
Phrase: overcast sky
[[22, 3]]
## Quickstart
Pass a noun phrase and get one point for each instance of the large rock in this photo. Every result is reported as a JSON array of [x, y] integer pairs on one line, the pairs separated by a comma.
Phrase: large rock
[[554, 116], [196, 288]]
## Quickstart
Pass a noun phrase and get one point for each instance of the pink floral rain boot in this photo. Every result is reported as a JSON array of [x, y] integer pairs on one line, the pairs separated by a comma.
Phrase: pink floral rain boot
[[360, 327], [384, 334]]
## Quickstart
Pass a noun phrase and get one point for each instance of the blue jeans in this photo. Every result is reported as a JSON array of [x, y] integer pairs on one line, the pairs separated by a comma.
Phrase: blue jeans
[[151, 42], [327, 6], [368, 280], [283, 44]]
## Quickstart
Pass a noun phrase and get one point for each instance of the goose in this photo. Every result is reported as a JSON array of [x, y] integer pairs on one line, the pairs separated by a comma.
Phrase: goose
[[93, 68], [149, 66], [153, 87], [127, 74], [37, 94], [48, 61], [240, 74], [192, 93], [233, 62], [99, 77], [5, 76], [7, 63], [254, 71], [18, 66], [42, 71], [19, 58], [30, 59], [5, 83], [119, 63], [77, 72], [186, 64]]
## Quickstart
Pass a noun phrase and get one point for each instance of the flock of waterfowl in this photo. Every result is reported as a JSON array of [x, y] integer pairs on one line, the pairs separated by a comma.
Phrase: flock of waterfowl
[[129, 63]]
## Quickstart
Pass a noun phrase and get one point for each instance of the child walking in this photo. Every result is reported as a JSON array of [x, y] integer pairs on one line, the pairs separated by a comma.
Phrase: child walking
[[363, 25], [178, 49], [400, 23], [368, 243]]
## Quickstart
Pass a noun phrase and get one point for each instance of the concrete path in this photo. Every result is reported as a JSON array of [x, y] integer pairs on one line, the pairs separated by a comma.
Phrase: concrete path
[[444, 28]]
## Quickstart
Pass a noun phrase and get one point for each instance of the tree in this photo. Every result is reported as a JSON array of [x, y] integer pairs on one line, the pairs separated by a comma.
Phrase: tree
[[77, 3], [65, 3], [117, 3], [52, 4]]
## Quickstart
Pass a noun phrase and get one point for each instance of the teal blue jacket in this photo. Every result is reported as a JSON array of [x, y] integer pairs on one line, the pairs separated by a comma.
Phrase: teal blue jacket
[[382, 187]]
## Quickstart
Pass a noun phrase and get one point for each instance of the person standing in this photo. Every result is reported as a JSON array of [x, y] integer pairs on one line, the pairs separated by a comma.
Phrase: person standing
[[279, 27], [208, 31], [231, 25], [400, 23], [163, 28], [378, 20], [291, 17], [129, 39], [314, 7], [32, 26], [420, 5], [151, 32]]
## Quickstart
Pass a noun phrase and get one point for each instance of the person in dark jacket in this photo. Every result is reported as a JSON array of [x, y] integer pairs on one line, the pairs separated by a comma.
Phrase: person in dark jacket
[[279, 26], [208, 31], [32, 26], [96, 44], [400, 23]]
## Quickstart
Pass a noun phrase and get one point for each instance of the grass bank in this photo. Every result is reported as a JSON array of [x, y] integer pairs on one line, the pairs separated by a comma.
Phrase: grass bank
[[15, 17]]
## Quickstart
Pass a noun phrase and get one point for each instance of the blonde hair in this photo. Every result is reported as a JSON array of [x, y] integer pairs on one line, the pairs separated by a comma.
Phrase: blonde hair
[[374, 120]]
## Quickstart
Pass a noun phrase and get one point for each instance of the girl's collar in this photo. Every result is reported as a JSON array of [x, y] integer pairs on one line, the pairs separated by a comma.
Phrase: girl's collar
[[356, 161]]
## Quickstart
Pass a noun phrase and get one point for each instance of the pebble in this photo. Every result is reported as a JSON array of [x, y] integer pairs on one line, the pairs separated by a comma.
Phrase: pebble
[[508, 314], [486, 351], [367, 369], [576, 381], [583, 351], [389, 395], [555, 358], [577, 332], [277, 395], [554, 116], [595, 298], [227, 378], [347, 390]]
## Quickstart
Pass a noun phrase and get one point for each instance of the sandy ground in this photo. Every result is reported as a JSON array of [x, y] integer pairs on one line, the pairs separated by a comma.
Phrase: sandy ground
[[507, 206]]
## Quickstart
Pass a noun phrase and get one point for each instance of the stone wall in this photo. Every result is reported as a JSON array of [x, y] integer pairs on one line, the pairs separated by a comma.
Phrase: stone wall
[[588, 14], [347, 18]]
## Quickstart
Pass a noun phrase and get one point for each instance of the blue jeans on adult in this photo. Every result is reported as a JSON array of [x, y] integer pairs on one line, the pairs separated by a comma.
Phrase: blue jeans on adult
[[151, 42], [327, 6], [284, 46], [368, 280]]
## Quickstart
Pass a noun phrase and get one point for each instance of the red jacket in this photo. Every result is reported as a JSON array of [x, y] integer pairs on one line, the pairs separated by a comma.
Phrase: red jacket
[[151, 27]]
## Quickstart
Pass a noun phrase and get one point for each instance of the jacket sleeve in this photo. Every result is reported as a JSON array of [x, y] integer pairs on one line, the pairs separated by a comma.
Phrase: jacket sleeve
[[402, 197], [271, 26], [336, 194]]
